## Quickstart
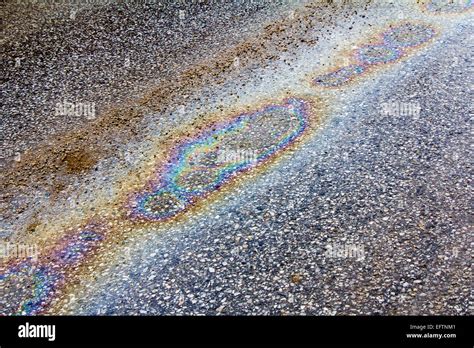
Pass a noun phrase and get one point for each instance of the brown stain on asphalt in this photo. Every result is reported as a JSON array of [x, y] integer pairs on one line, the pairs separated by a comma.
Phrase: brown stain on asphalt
[[79, 161]]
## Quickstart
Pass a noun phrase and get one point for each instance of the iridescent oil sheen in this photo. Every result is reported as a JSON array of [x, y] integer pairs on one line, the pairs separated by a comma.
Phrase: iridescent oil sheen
[[202, 165]]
